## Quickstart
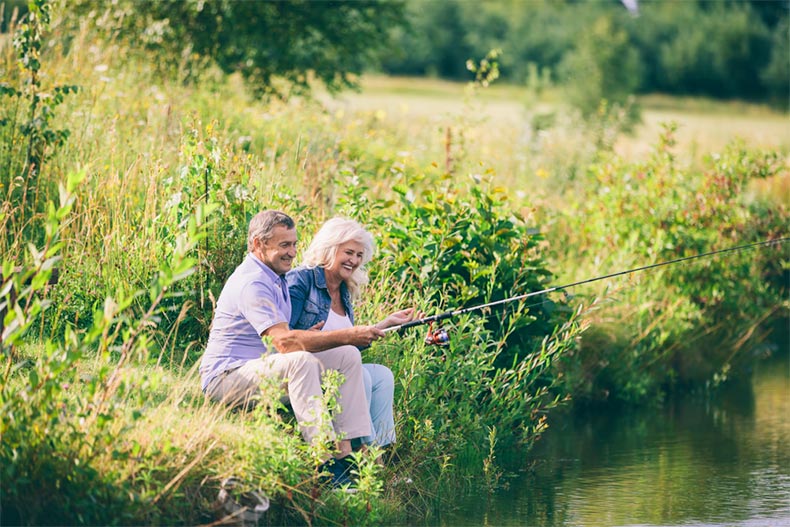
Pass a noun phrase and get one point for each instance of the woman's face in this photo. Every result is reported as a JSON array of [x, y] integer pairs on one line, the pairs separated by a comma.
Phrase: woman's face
[[348, 258]]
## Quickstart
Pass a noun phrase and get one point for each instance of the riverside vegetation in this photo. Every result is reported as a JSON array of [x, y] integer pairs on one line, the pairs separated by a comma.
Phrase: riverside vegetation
[[138, 189]]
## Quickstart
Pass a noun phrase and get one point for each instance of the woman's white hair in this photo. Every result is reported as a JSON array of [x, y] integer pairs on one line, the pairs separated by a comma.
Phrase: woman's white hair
[[334, 233]]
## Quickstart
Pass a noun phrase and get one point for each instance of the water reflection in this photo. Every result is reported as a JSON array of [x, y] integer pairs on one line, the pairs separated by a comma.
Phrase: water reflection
[[715, 462]]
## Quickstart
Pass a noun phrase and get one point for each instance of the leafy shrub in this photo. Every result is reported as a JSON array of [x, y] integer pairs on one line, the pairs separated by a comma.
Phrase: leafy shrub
[[50, 437], [461, 246], [685, 324]]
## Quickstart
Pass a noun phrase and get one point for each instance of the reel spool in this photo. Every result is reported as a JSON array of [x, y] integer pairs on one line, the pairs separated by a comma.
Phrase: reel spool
[[437, 337]]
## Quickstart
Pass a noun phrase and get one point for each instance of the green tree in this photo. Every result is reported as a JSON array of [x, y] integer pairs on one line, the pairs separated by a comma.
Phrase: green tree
[[603, 66], [433, 41], [776, 75], [718, 51], [732, 48], [291, 41]]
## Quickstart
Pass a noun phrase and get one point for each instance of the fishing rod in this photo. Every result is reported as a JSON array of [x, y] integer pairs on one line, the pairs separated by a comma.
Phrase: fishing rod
[[441, 337]]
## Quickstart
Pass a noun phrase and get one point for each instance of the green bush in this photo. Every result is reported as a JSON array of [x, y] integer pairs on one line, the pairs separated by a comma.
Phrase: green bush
[[603, 66], [449, 246], [28, 137], [50, 438], [685, 324], [461, 246]]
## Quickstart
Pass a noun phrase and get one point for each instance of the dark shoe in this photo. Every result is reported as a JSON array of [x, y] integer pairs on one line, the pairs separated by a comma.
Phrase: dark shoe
[[338, 471]]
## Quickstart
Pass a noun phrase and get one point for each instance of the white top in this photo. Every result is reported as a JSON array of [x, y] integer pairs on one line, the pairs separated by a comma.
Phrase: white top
[[336, 321]]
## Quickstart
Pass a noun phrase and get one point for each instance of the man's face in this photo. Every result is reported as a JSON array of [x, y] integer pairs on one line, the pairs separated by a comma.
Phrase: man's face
[[279, 251]]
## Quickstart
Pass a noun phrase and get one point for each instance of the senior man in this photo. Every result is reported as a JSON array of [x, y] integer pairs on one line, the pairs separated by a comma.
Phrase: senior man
[[255, 303]]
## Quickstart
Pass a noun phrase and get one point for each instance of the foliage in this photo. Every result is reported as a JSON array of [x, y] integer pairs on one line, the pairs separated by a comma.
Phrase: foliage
[[451, 399], [720, 49], [448, 246], [463, 243], [680, 330], [54, 435], [266, 42], [452, 396], [29, 139], [776, 74], [724, 39], [155, 152], [601, 73], [10, 11]]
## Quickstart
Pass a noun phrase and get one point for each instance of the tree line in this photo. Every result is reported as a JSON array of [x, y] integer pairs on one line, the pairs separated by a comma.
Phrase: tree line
[[723, 48], [726, 49]]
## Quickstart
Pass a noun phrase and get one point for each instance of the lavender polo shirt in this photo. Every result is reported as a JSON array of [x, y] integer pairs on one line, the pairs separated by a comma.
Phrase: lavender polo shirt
[[254, 299]]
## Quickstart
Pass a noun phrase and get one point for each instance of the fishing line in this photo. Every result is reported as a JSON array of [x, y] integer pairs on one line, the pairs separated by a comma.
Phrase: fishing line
[[461, 311]]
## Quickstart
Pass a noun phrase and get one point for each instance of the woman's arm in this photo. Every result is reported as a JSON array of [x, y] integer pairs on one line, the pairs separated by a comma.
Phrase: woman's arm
[[397, 318]]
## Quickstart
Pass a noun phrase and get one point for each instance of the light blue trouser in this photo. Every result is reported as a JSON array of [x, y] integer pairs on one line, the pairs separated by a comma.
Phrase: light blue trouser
[[380, 391]]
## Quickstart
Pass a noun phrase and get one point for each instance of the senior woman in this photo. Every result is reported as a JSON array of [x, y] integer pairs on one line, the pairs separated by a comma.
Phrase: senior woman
[[322, 290]]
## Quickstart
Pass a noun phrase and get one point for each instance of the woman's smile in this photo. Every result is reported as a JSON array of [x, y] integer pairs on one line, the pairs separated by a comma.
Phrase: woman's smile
[[347, 260]]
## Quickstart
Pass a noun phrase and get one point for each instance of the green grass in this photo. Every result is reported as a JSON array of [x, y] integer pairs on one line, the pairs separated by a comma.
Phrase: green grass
[[705, 125]]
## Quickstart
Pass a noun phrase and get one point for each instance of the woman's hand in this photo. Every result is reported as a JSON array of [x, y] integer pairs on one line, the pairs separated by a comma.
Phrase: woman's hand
[[399, 317], [317, 326]]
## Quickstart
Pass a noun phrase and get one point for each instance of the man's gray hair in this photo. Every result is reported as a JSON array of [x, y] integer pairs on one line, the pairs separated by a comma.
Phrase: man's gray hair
[[262, 225]]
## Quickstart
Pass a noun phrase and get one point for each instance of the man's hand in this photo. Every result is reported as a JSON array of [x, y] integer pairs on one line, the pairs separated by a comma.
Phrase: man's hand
[[363, 336]]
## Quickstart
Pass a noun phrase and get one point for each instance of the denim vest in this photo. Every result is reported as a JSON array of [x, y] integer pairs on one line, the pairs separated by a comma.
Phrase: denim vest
[[310, 300]]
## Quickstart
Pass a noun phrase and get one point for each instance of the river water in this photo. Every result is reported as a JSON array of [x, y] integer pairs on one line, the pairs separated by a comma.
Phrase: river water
[[702, 461]]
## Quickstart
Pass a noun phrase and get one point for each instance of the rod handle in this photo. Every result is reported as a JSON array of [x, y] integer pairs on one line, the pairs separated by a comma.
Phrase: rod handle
[[421, 321], [411, 324]]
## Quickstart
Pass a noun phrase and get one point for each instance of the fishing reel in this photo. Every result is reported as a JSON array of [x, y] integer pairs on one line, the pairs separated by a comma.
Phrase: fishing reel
[[437, 337]]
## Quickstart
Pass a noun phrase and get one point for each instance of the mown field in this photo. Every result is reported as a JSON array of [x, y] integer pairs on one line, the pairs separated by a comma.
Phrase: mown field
[[473, 196], [505, 113], [705, 125]]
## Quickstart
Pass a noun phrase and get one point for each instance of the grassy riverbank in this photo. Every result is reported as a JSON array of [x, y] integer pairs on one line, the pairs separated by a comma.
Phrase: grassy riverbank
[[470, 200]]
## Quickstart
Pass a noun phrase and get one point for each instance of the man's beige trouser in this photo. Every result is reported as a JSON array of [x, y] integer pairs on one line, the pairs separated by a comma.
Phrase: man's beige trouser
[[300, 373]]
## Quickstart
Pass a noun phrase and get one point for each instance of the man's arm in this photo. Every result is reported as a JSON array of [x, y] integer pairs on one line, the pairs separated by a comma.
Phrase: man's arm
[[286, 340]]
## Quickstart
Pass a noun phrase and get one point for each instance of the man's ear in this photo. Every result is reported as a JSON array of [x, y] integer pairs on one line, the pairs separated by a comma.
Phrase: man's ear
[[257, 247]]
